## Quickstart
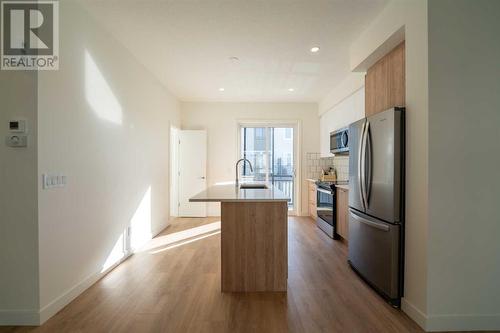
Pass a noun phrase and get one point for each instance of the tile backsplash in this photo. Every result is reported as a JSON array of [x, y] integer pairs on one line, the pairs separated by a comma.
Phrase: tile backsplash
[[314, 164]]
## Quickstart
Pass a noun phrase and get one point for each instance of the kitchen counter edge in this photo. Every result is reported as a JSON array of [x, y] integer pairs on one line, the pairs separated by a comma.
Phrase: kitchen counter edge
[[229, 193]]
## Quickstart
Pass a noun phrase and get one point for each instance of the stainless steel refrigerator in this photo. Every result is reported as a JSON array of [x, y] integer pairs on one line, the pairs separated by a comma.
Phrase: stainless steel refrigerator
[[376, 201]]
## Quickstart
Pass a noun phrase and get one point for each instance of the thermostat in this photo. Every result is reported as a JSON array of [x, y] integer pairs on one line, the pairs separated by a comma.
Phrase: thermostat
[[17, 126]]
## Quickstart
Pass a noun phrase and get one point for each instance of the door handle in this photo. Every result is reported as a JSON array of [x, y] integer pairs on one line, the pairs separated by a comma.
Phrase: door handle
[[366, 164], [360, 165], [343, 140], [324, 191], [202, 177], [373, 224], [369, 171]]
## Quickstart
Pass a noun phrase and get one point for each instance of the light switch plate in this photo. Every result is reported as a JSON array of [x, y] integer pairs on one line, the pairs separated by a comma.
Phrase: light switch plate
[[53, 180]]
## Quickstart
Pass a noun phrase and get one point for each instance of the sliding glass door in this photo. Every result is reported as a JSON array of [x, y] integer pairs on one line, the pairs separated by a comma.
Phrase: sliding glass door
[[271, 149]]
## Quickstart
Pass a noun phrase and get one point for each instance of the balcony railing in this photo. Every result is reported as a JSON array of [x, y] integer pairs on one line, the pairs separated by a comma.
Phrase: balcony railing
[[285, 184]]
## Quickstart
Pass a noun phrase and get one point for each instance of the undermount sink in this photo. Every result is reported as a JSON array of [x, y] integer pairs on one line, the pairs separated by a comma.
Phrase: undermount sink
[[253, 186]]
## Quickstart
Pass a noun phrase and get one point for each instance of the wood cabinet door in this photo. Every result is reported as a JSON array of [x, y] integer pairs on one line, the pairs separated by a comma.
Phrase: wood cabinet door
[[312, 200], [340, 221], [396, 77], [312, 211], [370, 94], [385, 82], [345, 213], [342, 210]]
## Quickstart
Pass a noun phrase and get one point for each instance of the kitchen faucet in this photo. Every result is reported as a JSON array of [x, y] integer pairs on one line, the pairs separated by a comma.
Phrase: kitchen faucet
[[240, 160]]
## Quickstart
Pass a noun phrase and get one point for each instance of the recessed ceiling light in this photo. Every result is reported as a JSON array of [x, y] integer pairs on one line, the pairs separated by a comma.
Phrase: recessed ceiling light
[[221, 89], [291, 89], [314, 49]]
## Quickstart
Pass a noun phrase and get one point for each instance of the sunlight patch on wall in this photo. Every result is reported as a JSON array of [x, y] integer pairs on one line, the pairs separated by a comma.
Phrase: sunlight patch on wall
[[99, 94], [140, 224], [135, 236], [116, 254]]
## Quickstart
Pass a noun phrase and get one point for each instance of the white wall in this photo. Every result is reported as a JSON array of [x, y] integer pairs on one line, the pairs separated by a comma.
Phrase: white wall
[[352, 83], [221, 122], [412, 16], [464, 160], [347, 111], [18, 202], [104, 121]]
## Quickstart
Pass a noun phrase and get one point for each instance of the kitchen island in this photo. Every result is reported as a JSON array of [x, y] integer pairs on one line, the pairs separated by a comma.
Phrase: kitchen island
[[254, 237]]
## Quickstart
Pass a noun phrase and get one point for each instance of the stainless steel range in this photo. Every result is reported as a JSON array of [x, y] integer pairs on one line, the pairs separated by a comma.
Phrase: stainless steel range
[[326, 206]]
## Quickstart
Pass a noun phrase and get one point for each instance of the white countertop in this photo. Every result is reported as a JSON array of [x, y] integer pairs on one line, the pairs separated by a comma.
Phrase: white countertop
[[231, 193]]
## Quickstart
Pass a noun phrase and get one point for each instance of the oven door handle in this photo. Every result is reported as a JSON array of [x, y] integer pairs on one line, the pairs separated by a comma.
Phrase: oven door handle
[[324, 191]]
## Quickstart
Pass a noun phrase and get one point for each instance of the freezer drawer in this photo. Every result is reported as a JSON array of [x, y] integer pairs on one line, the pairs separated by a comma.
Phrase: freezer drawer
[[374, 252]]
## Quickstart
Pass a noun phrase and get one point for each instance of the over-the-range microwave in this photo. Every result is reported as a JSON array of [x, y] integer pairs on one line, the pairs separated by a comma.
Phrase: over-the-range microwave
[[339, 141]]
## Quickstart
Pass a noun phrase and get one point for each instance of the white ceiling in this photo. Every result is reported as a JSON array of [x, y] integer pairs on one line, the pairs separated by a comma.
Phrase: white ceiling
[[187, 44]]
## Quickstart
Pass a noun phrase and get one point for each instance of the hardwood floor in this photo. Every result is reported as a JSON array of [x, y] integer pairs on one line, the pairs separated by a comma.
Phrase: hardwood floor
[[175, 287]]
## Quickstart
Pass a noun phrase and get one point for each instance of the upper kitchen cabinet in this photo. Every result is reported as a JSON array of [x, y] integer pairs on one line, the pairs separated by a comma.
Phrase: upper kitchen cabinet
[[341, 115], [385, 82]]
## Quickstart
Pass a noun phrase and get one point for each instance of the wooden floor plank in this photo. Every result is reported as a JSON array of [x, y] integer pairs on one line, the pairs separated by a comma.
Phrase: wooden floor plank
[[177, 289]]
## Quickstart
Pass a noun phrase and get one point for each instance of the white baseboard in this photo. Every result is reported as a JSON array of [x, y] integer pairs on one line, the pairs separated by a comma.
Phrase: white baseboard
[[464, 322], [19, 318], [414, 313], [35, 317], [60, 302], [56, 305], [158, 230]]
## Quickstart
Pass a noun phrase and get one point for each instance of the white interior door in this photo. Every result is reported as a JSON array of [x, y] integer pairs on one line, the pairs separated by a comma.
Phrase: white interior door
[[192, 171], [174, 171]]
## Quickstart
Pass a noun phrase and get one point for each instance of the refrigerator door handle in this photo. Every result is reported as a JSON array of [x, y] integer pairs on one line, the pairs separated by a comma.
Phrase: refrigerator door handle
[[368, 167], [361, 165], [373, 224]]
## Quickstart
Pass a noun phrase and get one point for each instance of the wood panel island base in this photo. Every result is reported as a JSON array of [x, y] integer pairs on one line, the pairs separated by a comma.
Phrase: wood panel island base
[[254, 237], [254, 246]]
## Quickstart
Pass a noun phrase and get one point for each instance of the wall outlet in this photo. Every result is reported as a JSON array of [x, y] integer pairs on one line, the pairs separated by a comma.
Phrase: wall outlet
[[53, 180], [16, 141]]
